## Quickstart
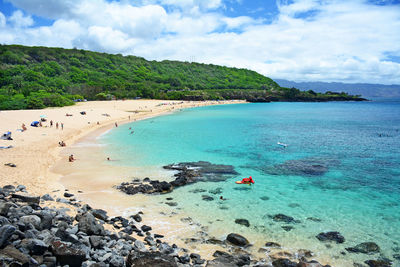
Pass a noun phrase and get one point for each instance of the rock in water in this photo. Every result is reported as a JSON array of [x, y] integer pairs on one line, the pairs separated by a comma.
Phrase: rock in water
[[366, 248], [331, 236], [378, 263], [145, 259], [242, 222], [282, 218], [237, 240]]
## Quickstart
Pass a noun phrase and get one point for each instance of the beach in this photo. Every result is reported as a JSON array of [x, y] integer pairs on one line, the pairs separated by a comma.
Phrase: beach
[[201, 224], [35, 150]]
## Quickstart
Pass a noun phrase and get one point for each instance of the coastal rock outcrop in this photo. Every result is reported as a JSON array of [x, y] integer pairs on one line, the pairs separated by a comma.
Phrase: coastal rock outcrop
[[188, 173], [33, 235]]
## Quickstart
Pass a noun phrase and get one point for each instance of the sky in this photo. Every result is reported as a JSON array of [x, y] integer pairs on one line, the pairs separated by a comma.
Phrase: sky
[[299, 40]]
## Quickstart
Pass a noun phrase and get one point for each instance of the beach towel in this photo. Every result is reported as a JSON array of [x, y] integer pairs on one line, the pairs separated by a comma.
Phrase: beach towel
[[35, 124]]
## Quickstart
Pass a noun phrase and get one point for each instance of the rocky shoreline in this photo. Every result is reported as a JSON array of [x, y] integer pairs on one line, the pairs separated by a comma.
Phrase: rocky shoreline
[[192, 172], [33, 234]]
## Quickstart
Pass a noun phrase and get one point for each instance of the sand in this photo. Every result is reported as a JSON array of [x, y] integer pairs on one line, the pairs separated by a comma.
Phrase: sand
[[35, 150]]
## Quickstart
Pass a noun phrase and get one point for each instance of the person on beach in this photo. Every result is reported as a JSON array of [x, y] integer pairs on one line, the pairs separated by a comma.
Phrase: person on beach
[[71, 158], [23, 127], [62, 126], [62, 143], [116, 124], [51, 123], [57, 125], [108, 159]]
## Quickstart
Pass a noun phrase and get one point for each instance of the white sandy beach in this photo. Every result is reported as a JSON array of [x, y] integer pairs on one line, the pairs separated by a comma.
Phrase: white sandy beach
[[35, 150]]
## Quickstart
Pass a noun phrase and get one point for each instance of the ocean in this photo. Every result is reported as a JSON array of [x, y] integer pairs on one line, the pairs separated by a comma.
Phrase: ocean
[[339, 172]]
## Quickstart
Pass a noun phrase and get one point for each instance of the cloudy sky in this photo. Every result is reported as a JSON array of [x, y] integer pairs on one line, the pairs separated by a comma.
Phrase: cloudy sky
[[300, 40]]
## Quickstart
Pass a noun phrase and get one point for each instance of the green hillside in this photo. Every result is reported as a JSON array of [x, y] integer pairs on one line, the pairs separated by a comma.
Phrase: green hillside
[[37, 77]]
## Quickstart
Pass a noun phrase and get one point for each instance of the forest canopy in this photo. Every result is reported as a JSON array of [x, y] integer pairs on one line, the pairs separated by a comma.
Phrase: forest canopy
[[38, 77]]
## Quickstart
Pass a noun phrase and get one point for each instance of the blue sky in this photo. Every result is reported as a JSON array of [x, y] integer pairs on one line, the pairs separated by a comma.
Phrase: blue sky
[[300, 40]]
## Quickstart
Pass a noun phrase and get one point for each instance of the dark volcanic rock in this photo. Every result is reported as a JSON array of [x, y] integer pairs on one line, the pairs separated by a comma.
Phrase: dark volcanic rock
[[145, 259], [378, 263], [283, 263], [287, 228], [242, 222], [237, 240], [145, 228], [5, 232], [207, 198], [272, 245], [26, 198], [331, 236], [89, 225], [67, 255], [188, 173], [223, 259], [100, 214], [18, 258], [137, 217], [282, 218], [366, 248], [66, 194]]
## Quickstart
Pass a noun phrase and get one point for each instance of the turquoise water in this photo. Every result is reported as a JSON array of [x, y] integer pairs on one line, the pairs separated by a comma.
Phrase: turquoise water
[[357, 145]]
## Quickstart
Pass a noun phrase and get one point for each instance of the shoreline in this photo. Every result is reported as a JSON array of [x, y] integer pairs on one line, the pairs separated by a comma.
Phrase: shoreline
[[34, 151], [99, 192]]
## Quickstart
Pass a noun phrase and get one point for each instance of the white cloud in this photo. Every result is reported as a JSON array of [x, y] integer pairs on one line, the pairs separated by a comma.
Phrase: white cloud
[[2, 20], [340, 40], [19, 20]]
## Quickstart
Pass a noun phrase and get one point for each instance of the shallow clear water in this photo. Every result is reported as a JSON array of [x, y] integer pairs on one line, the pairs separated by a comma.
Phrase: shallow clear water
[[353, 147]]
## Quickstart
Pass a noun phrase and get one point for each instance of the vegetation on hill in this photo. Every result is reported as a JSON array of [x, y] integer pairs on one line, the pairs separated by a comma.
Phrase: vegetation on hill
[[38, 77]]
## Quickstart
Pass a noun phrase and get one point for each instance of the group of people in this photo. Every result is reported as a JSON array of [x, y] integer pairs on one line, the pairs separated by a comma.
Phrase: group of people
[[57, 125]]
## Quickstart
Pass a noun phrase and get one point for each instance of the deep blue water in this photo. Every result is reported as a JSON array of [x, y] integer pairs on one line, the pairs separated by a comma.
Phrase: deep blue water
[[341, 165]]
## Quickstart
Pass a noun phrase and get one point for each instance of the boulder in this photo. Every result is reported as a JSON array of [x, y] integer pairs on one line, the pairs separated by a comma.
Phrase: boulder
[[145, 259], [18, 258], [137, 217], [283, 263], [331, 236], [242, 222], [272, 245], [67, 255], [378, 263], [89, 225], [4, 207], [100, 214], [35, 246], [237, 240], [26, 198], [145, 228], [47, 197], [366, 248], [33, 219], [6, 231]]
